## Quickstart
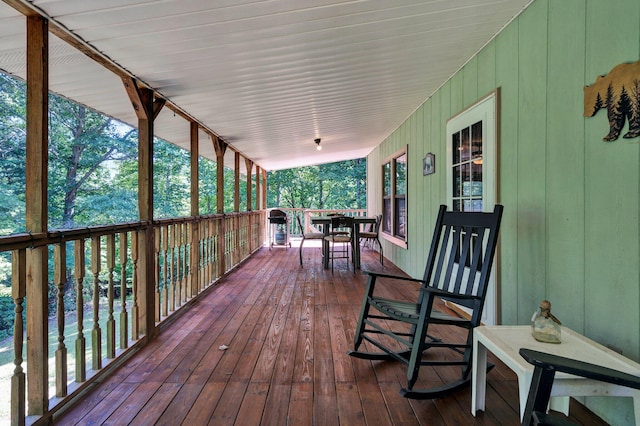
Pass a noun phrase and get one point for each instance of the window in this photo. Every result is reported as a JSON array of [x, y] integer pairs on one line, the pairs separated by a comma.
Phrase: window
[[394, 198], [467, 145], [471, 157]]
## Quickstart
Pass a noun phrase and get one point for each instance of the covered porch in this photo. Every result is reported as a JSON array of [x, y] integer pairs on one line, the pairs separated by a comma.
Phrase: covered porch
[[571, 201], [287, 330]]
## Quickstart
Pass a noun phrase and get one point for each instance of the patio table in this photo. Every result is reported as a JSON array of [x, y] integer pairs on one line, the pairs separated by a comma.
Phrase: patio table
[[325, 221]]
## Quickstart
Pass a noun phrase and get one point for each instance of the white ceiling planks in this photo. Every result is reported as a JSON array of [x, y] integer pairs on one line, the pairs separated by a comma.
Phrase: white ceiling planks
[[267, 76]]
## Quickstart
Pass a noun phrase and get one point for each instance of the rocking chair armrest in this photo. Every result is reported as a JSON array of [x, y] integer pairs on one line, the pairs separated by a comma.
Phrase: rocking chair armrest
[[579, 368], [442, 293], [395, 277]]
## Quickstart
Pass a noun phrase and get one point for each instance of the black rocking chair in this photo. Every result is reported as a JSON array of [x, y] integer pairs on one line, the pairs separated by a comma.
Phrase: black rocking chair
[[458, 269]]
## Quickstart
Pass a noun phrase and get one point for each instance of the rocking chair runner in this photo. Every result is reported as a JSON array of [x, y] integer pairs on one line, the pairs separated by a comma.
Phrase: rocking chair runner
[[458, 269]]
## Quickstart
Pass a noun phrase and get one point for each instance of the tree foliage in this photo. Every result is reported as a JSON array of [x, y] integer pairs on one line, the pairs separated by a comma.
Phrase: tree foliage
[[85, 149], [340, 185], [12, 154]]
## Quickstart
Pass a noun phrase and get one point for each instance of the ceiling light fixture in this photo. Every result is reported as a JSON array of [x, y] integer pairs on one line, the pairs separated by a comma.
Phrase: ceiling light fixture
[[317, 141]]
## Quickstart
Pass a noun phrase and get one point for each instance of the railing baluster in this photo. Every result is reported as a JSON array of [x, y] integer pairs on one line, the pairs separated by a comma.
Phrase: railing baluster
[[96, 332], [183, 249], [235, 237], [175, 266], [111, 323], [18, 379], [228, 244], [124, 316], [246, 236], [183, 267], [201, 258], [206, 255], [78, 259], [165, 270], [193, 283], [59, 279], [180, 242], [178, 249], [158, 257], [209, 250], [218, 248], [172, 265], [135, 329]]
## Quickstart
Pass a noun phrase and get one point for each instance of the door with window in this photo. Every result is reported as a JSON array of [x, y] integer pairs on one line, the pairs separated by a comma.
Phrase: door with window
[[472, 173]]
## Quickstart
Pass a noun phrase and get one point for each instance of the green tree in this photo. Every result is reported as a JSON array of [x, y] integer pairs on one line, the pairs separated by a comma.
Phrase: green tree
[[207, 186], [12, 154], [84, 145], [340, 185], [171, 180]]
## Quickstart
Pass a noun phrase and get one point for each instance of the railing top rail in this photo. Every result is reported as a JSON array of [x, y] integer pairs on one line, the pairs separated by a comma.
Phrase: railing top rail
[[351, 212], [29, 240]]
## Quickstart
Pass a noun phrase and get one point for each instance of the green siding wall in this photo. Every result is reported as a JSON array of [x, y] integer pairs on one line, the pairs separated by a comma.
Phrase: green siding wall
[[571, 228]]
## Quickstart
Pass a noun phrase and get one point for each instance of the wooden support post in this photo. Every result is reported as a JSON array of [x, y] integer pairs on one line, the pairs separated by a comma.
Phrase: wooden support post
[[147, 109], [195, 173], [249, 164], [258, 191], [264, 189], [220, 147], [146, 286], [194, 236], [36, 212], [236, 183]]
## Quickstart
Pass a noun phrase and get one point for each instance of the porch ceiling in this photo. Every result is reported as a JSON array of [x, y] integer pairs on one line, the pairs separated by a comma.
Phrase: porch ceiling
[[268, 77]]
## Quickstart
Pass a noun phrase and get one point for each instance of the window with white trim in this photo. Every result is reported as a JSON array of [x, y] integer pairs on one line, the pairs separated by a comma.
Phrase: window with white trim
[[394, 198]]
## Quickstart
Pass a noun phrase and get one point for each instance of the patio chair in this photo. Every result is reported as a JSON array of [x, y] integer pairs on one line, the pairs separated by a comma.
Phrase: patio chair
[[340, 238], [307, 236], [545, 368], [371, 235], [457, 270]]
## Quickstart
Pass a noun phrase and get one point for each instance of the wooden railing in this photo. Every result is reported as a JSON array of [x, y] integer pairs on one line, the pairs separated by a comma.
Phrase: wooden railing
[[306, 214], [101, 308]]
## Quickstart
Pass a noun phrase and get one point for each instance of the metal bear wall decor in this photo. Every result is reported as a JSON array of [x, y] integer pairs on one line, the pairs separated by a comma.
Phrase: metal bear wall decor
[[619, 93]]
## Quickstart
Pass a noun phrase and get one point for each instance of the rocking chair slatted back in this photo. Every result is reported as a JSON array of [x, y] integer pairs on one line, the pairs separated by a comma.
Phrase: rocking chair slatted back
[[461, 266]]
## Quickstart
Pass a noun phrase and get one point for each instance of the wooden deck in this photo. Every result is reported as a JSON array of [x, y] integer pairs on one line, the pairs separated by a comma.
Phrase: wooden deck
[[287, 331]]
